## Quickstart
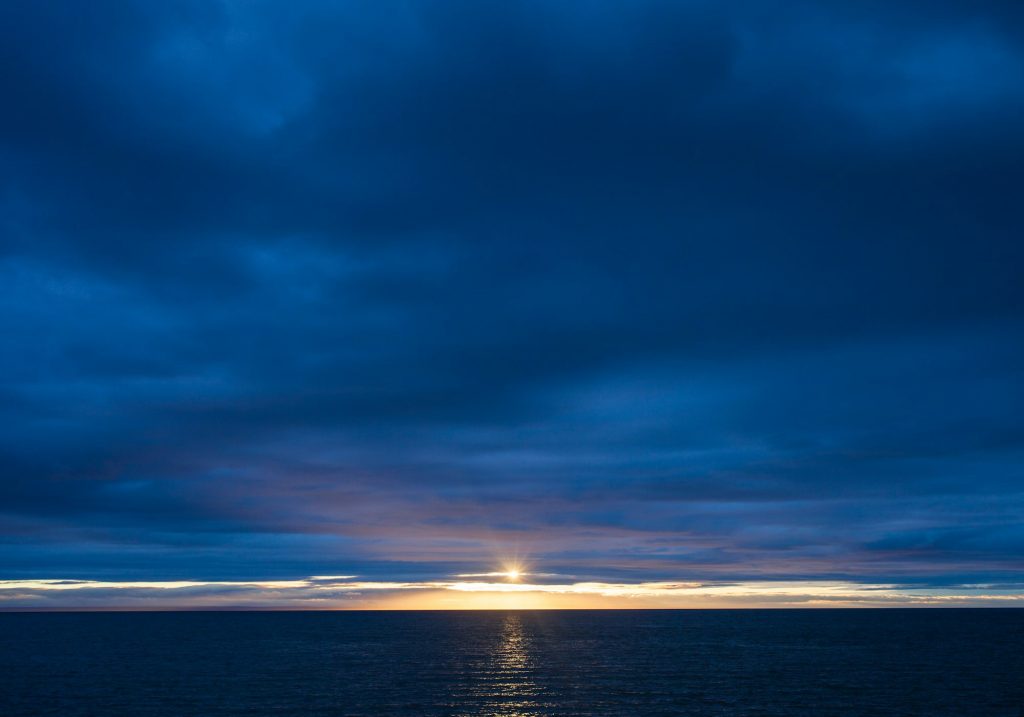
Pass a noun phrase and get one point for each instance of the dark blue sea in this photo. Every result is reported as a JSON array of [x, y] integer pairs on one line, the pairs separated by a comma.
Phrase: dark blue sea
[[637, 663]]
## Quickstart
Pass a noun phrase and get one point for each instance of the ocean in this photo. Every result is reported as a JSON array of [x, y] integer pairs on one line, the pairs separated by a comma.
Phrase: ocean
[[931, 662]]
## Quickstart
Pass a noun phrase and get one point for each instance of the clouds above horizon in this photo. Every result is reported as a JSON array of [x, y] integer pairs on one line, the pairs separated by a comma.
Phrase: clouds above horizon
[[644, 291], [344, 593]]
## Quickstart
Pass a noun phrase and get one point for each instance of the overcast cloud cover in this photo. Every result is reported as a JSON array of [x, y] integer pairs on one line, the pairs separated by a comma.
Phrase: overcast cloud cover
[[640, 291]]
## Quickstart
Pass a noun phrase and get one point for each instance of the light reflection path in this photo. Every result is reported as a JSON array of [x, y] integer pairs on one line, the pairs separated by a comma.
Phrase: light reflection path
[[507, 688]]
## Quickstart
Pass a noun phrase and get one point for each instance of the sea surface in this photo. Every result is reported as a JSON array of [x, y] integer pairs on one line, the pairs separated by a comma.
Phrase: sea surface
[[636, 663]]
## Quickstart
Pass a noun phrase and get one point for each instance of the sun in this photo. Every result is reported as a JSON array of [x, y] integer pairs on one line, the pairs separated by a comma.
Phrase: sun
[[513, 573]]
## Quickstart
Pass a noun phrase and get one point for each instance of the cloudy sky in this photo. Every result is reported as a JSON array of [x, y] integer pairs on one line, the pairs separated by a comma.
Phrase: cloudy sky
[[330, 304]]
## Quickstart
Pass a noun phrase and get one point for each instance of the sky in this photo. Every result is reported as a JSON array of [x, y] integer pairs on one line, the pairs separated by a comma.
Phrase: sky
[[369, 304]]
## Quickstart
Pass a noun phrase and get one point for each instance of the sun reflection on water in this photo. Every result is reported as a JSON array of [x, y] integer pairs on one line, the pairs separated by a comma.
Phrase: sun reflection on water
[[507, 688]]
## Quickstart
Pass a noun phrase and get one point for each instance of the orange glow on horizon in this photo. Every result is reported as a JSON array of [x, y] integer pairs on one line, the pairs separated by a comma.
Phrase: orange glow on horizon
[[512, 588], [448, 599]]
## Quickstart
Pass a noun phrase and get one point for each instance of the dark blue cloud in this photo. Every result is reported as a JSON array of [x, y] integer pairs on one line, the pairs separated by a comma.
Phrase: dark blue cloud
[[664, 290]]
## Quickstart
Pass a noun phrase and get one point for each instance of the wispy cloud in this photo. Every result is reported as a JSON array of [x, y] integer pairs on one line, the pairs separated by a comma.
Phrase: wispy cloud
[[334, 593]]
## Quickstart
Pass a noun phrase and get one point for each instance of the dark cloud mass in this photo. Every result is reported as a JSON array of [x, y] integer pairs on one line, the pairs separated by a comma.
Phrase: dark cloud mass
[[642, 290]]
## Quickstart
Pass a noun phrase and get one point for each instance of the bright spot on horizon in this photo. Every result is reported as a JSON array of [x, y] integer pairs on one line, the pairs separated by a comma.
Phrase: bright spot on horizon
[[513, 573]]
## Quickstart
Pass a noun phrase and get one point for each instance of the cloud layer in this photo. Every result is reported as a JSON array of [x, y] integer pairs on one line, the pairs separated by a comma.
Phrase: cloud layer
[[641, 291], [341, 593]]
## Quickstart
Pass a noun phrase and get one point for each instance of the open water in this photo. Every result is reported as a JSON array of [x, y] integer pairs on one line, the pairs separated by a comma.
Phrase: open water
[[636, 663]]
